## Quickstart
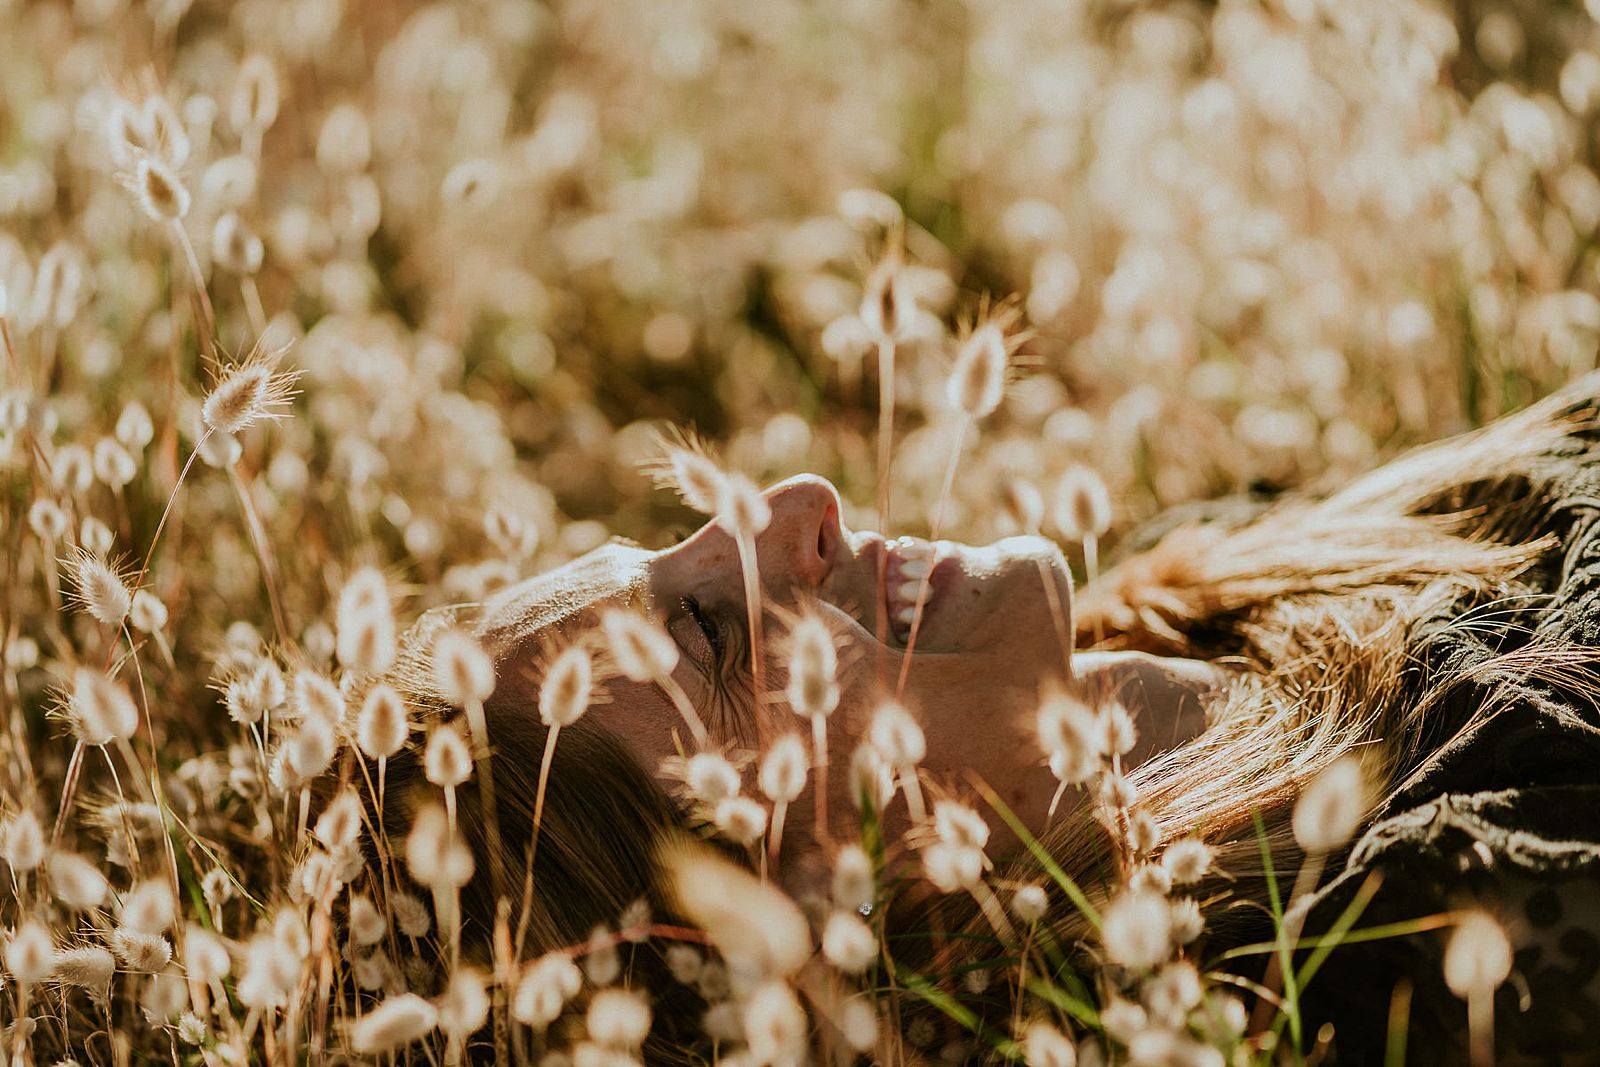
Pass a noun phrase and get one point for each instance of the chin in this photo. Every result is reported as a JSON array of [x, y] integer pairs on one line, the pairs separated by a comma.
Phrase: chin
[[996, 600]]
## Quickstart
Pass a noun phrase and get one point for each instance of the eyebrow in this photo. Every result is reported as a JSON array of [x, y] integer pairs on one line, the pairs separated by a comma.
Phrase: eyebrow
[[569, 594]]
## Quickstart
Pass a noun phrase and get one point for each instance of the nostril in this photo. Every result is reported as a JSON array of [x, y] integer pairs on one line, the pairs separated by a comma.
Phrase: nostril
[[824, 542]]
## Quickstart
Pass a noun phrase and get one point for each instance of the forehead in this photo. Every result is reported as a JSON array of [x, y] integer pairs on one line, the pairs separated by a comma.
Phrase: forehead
[[568, 596]]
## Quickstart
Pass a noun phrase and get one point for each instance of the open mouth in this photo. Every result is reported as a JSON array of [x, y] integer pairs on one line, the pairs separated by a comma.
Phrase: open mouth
[[911, 564]]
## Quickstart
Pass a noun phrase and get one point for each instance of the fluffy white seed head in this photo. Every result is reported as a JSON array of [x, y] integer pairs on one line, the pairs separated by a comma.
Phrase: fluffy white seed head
[[872, 782], [465, 1003], [171, 138], [848, 943], [783, 769], [311, 748], [101, 710], [365, 624], [757, 928], [642, 650], [1151, 878], [113, 464], [1022, 505], [130, 133], [344, 144], [618, 1018], [858, 1023], [30, 954], [1116, 734], [253, 105], [95, 537], [740, 819], [1066, 730], [398, 1021], [86, 967], [148, 614], [775, 1027], [22, 842], [248, 393], [1187, 861], [382, 726], [544, 989], [447, 762], [957, 824], [1173, 993], [149, 908], [1082, 507], [462, 670], [317, 697], [897, 736], [1118, 791], [367, 924], [75, 882], [134, 428], [339, 825], [46, 519], [888, 307], [204, 955], [159, 190], [567, 688], [72, 469], [1136, 930], [234, 246], [813, 687], [1144, 834], [250, 697], [411, 916], [698, 480], [1188, 922], [1331, 807], [513, 534], [710, 778], [145, 953], [1029, 903], [1045, 1046], [101, 590], [1477, 957], [952, 867], [744, 508], [435, 853], [854, 884], [978, 378]]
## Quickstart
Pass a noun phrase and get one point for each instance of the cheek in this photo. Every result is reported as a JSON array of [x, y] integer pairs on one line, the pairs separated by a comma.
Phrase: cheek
[[643, 720], [977, 709]]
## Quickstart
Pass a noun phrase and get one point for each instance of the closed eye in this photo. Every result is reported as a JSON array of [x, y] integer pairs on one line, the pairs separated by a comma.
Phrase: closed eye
[[707, 625]]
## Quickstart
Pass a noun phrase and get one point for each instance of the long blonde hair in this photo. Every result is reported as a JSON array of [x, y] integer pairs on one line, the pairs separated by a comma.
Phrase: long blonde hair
[[1315, 604]]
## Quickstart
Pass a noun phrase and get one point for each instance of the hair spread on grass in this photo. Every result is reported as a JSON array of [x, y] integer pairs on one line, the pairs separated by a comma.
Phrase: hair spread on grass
[[1313, 607]]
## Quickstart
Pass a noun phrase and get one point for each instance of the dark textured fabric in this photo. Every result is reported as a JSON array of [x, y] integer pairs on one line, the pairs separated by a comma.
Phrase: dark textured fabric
[[1502, 811]]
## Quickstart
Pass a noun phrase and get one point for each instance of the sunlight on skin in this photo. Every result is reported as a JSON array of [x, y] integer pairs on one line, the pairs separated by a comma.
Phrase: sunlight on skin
[[987, 647]]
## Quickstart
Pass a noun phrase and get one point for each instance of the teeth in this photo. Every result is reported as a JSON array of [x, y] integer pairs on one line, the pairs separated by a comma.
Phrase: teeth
[[908, 548], [911, 562], [917, 568]]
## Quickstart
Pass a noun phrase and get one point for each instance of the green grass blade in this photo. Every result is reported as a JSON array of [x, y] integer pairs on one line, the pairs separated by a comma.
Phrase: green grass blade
[[1068, 886], [1059, 998], [955, 1011]]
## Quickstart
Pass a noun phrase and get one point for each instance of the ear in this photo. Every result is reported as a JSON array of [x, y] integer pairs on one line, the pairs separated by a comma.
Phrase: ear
[[1166, 695]]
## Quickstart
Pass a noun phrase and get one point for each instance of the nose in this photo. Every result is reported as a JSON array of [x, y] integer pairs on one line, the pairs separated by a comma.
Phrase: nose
[[805, 532]]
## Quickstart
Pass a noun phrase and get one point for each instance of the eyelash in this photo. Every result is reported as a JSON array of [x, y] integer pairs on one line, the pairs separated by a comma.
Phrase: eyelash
[[707, 626]]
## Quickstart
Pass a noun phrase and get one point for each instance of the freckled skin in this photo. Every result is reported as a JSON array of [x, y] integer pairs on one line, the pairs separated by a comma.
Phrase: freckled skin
[[988, 643]]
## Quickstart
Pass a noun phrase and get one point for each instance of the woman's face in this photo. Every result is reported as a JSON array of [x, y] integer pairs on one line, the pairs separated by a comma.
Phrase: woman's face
[[996, 626]]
